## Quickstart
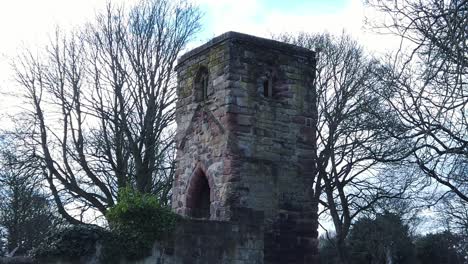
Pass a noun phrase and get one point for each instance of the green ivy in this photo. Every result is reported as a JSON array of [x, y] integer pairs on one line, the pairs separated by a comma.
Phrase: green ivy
[[136, 222]]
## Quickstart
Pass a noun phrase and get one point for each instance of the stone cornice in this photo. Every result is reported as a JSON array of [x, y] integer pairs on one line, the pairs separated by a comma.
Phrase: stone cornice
[[253, 40]]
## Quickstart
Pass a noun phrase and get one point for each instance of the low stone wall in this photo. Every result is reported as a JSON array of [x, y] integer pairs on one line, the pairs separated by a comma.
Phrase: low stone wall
[[196, 242], [16, 260], [214, 242], [158, 256]]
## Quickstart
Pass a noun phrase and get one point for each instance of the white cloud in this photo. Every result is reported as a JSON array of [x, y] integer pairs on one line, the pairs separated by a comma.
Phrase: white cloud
[[253, 17], [31, 22]]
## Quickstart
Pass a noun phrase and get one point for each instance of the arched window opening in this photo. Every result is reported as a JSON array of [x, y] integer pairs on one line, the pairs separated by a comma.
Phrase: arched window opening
[[268, 85], [198, 200], [201, 84]]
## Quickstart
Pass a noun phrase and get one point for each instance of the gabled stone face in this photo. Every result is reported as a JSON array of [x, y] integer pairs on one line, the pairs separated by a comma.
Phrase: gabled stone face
[[243, 136]]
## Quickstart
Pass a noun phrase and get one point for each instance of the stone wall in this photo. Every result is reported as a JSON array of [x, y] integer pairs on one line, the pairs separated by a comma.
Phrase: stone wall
[[194, 242], [202, 139], [272, 145], [16, 260], [216, 242]]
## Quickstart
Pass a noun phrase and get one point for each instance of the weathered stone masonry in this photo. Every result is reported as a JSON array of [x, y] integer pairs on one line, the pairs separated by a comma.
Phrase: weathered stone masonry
[[244, 147]]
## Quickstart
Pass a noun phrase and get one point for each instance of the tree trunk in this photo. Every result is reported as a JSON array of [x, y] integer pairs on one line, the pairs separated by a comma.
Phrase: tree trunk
[[342, 251]]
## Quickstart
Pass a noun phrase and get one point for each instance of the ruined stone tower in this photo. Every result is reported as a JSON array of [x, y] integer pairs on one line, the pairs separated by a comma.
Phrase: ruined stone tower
[[244, 147]]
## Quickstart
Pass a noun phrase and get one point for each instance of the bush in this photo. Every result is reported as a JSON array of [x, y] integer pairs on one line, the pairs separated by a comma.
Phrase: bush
[[136, 222], [442, 248], [327, 250], [72, 242], [376, 240]]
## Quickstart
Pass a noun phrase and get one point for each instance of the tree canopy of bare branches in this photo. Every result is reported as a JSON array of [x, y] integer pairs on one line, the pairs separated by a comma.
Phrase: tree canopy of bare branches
[[26, 213], [102, 103], [428, 78], [349, 140]]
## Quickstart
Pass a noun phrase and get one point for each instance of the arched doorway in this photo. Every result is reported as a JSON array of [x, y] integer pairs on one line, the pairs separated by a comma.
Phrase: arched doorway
[[198, 197]]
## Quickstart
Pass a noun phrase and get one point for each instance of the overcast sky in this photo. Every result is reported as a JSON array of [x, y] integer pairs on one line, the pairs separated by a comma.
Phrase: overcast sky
[[29, 23]]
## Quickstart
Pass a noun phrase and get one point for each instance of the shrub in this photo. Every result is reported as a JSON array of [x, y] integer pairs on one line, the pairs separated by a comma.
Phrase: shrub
[[136, 222], [442, 248], [71, 242]]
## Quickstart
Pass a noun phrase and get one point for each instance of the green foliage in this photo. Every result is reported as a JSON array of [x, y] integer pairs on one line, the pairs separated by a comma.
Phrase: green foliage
[[377, 240], [442, 248], [141, 213], [136, 222], [71, 242]]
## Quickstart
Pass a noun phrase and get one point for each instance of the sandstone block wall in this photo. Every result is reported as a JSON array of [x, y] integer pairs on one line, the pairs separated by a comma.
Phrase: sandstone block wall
[[216, 242], [201, 137]]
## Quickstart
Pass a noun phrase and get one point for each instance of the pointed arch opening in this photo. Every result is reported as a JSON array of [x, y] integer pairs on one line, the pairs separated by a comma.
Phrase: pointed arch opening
[[268, 84], [199, 196]]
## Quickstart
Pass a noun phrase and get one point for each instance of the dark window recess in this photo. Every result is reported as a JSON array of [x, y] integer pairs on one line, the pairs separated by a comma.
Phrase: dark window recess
[[268, 88], [308, 122], [265, 88], [199, 197], [204, 83], [201, 85]]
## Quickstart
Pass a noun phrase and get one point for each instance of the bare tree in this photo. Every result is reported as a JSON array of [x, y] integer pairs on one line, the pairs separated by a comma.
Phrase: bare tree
[[26, 215], [349, 141], [428, 80], [103, 104], [453, 214]]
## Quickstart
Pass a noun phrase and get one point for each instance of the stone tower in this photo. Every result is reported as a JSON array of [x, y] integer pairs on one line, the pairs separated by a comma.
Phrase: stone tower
[[244, 143]]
